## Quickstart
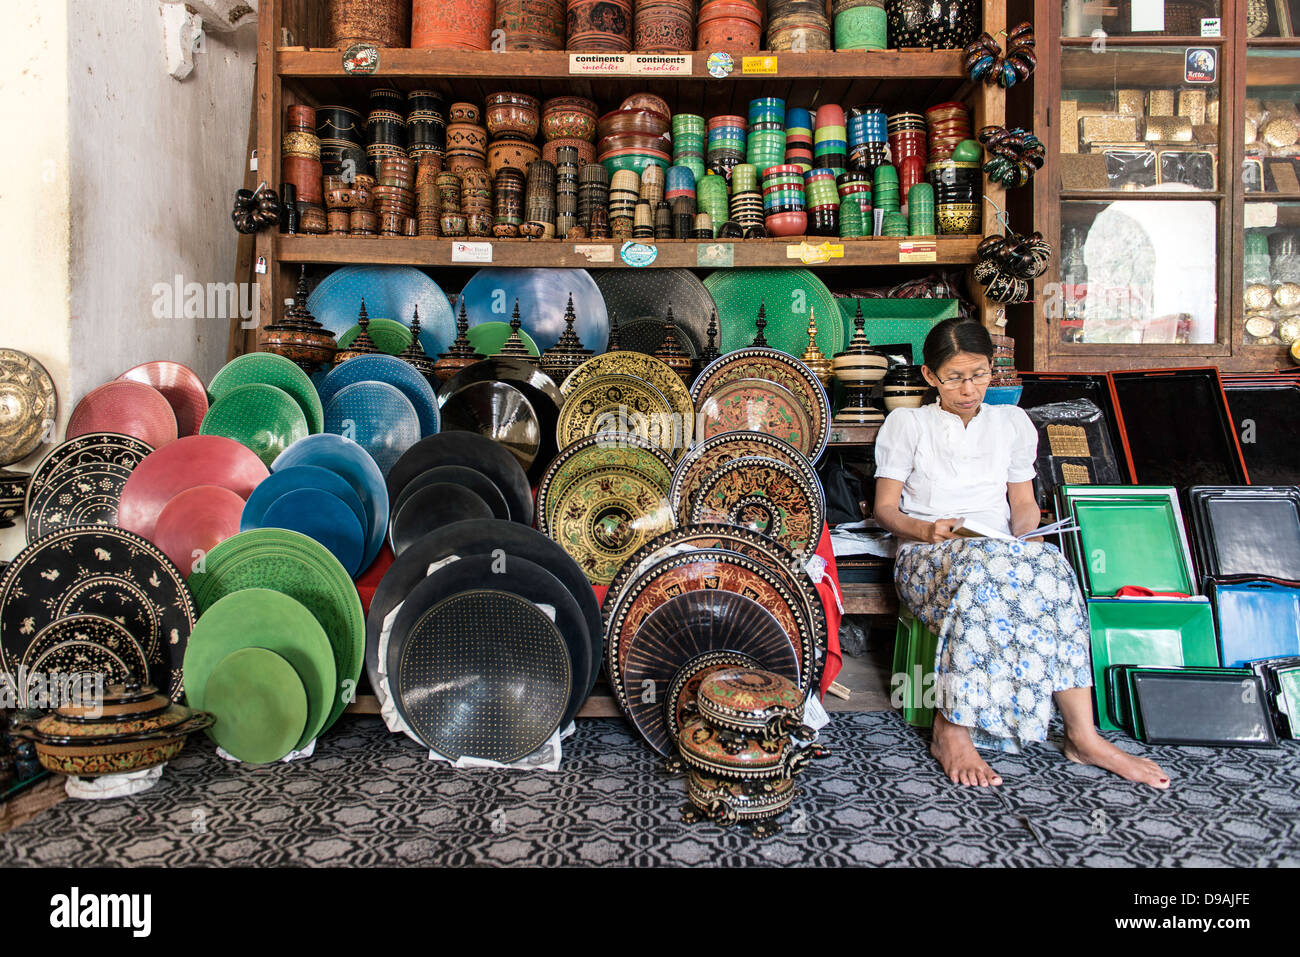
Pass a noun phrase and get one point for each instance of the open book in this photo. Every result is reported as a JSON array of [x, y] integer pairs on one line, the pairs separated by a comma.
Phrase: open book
[[969, 529]]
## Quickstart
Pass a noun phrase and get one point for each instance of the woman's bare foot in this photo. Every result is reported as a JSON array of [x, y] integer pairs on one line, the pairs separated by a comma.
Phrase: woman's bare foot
[[1088, 747], [952, 748]]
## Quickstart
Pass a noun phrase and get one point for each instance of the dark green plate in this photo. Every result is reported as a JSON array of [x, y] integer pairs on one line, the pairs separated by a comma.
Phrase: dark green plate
[[262, 618], [268, 368], [391, 336], [291, 563], [260, 705]]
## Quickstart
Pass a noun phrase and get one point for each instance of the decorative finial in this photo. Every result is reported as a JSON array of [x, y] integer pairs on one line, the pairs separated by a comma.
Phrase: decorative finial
[[670, 351], [461, 352], [567, 353], [514, 346], [760, 324]]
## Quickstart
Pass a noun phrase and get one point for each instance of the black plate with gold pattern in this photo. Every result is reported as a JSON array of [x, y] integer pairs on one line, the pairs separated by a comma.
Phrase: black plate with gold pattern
[[479, 538], [698, 465], [99, 570], [734, 538], [82, 645], [480, 673], [520, 577], [473, 451], [686, 627], [768, 496], [711, 569]]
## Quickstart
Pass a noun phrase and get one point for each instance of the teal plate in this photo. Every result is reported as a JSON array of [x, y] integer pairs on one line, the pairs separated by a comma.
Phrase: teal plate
[[259, 417], [271, 369], [294, 565]]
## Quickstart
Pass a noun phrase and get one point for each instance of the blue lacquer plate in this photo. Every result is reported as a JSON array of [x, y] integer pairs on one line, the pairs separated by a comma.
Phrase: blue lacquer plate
[[378, 417], [391, 292], [287, 480], [353, 463], [543, 294], [324, 518], [394, 372]]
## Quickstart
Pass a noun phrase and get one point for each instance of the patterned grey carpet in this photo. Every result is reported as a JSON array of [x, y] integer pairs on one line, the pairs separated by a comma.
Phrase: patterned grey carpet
[[368, 798]]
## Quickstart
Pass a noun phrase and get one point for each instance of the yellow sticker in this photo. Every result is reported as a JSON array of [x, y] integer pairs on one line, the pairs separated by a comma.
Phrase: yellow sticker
[[752, 65], [926, 251], [809, 254]]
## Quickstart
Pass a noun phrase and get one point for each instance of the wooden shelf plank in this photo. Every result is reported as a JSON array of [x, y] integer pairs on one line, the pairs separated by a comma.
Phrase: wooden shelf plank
[[539, 64], [851, 435], [863, 599], [673, 254]]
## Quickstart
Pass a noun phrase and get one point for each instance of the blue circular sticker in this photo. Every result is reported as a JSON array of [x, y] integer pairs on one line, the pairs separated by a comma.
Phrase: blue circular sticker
[[720, 64], [639, 254]]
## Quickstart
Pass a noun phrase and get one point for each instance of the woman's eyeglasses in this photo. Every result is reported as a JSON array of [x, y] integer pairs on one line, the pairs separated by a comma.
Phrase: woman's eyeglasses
[[956, 382]]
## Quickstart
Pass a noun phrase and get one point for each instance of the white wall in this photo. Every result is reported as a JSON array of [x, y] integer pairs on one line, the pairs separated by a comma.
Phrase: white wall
[[116, 177], [155, 164]]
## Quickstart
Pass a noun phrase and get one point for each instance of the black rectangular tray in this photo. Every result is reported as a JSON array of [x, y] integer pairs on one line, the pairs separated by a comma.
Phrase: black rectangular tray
[[1176, 427], [1203, 709]]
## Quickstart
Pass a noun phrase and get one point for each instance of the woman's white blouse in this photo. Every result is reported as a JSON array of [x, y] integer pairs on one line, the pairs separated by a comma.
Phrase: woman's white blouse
[[949, 471]]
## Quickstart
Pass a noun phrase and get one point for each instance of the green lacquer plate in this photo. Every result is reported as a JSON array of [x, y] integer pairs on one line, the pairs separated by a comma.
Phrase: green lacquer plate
[[260, 705], [1130, 537], [389, 335], [787, 296], [295, 565], [268, 368], [487, 338], [262, 618], [1135, 631], [260, 417]]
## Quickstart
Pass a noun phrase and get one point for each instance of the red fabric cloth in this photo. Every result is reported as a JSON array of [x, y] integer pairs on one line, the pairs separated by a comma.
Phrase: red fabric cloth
[[1141, 591], [368, 582]]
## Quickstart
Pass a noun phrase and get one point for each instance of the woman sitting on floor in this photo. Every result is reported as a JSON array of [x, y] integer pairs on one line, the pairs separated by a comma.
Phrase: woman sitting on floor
[[1010, 620]]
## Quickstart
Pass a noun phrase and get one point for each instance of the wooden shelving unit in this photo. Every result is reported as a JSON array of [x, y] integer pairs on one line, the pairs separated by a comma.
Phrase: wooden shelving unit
[[1084, 67], [603, 254]]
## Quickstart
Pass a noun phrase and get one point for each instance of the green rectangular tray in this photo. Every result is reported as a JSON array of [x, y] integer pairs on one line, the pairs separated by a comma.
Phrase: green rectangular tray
[[1129, 539], [1288, 697], [1136, 631], [887, 321]]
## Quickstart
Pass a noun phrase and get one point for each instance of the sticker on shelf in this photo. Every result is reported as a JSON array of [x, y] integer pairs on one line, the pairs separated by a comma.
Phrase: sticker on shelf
[[471, 252], [720, 64], [715, 255], [758, 65], [639, 254], [1147, 16], [360, 59], [918, 251], [810, 254], [1202, 65], [630, 64], [596, 254], [1211, 26]]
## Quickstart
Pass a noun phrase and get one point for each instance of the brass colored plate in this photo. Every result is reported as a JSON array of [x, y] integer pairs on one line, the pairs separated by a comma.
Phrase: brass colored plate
[[658, 373], [605, 516], [598, 451], [28, 405], [615, 403]]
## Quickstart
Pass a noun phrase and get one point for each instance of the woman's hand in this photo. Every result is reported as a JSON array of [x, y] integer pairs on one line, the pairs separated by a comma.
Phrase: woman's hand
[[941, 530]]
